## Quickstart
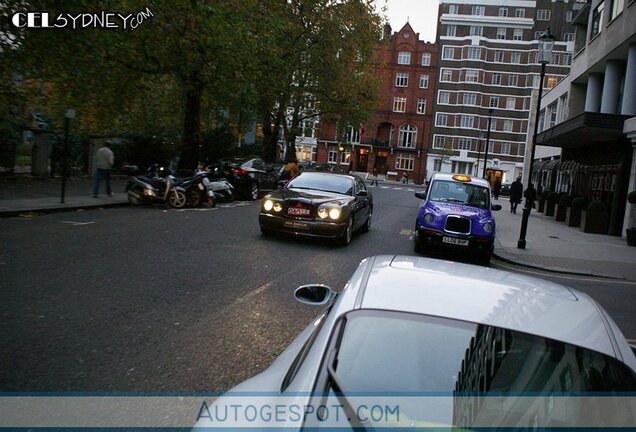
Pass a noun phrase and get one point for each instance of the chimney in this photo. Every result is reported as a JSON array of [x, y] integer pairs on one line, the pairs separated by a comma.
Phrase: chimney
[[386, 34]]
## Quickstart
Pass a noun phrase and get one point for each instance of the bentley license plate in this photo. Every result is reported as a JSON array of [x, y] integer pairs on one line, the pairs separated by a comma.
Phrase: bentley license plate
[[298, 211], [296, 225], [455, 241]]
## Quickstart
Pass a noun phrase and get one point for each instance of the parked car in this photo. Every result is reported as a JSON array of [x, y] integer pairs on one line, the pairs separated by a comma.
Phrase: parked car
[[446, 345], [505, 189], [456, 215], [318, 204], [250, 177]]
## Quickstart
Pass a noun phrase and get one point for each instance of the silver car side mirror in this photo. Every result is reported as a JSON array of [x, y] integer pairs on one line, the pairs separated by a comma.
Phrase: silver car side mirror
[[316, 294]]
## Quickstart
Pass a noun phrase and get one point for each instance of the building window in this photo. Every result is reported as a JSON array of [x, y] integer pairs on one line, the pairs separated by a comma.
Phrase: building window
[[515, 57], [401, 79], [405, 161], [551, 81], [476, 31], [423, 81], [496, 79], [501, 33], [494, 102], [404, 57], [467, 121], [426, 59], [443, 97], [345, 157], [453, 9], [556, 58], [437, 165], [353, 135], [306, 152], [474, 53], [439, 142], [499, 56], [567, 59], [399, 104], [505, 148], [543, 15], [507, 126], [568, 37], [477, 10], [597, 19], [538, 34], [441, 120], [448, 53], [472, 75], [517, 34], [421, 106], [447, 75], [511, 102], [407, 136], [520, 13], [451, 30], [463, 144], [462, 167], [309, 128], [470, 98], [513, 80], [552, 119], [503, 11], [568, 16], [332, 157]]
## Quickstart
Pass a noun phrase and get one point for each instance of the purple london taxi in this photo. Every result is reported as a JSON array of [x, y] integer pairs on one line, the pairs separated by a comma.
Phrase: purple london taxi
[[456, 215]]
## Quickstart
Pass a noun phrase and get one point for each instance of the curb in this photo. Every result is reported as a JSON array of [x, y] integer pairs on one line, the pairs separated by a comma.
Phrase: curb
[[46, 210]]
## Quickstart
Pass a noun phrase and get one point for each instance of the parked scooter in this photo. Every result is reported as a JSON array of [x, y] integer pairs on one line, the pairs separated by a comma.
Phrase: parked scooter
[[223, 189], [198, 190], [158, 185]]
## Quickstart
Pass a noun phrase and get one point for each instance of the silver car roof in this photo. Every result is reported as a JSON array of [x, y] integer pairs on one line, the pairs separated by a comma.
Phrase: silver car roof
[[486, 296]]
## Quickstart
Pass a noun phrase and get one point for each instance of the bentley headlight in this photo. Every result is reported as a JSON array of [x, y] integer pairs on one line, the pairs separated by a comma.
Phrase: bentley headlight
[[277, 207], [268, 205], [322, 213], [334, 213], [488, 227], [428, 217]]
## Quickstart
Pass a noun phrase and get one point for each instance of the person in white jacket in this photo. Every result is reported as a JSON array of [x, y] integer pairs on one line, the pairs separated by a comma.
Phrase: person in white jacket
[[103, 162]]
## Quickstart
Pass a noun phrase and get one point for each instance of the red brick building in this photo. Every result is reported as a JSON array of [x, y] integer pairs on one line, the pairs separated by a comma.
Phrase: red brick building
[[396, 138]]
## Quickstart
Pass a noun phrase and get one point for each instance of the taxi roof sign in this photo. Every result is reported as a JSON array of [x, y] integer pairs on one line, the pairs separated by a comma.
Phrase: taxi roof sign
[[462, 178]]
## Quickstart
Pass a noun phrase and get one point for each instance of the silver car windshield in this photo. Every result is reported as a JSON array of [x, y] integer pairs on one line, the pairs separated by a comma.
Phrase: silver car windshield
[[323, 182], [461, 193]]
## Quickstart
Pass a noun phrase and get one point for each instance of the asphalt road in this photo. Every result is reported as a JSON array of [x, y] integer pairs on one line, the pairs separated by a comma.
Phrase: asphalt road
[[149, 299]]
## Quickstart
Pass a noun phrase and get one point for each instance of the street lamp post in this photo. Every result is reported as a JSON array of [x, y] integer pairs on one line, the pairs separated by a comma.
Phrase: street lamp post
[[546, 43], [487, 141], [70, 113], [481, 143]]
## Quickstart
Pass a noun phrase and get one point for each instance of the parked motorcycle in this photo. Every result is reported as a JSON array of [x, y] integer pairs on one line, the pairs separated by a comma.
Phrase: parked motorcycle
[[157, 185], [198, 190], [223, 189]]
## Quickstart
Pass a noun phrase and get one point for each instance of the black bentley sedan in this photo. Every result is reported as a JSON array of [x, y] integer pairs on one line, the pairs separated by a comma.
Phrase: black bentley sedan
[[318, 204]]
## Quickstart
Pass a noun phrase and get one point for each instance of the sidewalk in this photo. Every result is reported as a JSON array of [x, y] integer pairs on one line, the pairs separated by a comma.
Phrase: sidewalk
[[550, 245], [555, 246]]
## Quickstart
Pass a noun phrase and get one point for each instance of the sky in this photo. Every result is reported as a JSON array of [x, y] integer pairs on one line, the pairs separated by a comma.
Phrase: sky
[[421, 14]]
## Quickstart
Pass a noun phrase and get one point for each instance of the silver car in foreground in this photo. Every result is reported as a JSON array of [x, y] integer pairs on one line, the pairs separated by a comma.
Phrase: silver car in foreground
[[418, 342]]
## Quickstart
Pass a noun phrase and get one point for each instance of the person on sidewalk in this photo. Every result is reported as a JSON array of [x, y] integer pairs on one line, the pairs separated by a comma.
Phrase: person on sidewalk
[[516, 192], [496, 189], [103, 161], [531, 196]]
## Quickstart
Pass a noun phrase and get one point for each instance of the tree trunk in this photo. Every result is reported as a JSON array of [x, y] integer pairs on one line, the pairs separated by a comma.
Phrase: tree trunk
[[190, 154]]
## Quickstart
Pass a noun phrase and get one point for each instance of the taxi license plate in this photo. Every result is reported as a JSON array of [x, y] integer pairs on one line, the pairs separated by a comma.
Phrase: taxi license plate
[[455, 241], [296, 225]]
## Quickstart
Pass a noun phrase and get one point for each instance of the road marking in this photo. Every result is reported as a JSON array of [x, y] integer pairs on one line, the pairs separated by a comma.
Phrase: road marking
[[256, 292], [77, 223], [406, 232], [568, 277]]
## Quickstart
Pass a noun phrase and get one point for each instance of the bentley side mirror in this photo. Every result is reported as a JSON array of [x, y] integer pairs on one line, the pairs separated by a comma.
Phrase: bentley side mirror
[[495, 207], [420, 195], [315, 295]]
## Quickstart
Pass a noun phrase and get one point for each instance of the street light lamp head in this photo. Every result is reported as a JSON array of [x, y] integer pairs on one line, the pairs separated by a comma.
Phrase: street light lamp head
[[546, 45]]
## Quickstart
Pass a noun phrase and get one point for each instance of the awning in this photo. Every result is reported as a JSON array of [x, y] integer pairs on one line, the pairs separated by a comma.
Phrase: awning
[[583, 130]]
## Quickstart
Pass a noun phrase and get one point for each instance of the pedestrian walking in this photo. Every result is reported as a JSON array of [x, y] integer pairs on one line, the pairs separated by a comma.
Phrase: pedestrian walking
[[405, 177], [496, 189], [516, 192], [103, 161], [531, 196], [374, 179]]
